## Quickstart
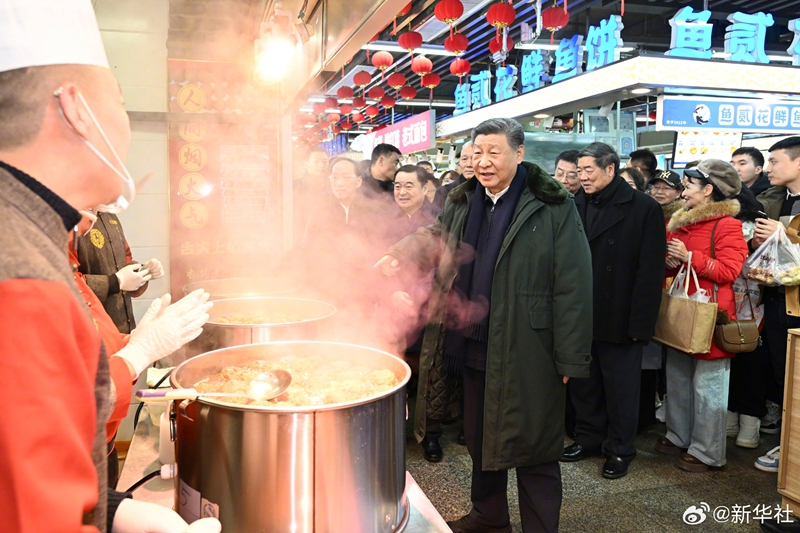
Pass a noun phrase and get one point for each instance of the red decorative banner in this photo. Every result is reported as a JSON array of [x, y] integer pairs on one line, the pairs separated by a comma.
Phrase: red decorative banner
[[225, 187]]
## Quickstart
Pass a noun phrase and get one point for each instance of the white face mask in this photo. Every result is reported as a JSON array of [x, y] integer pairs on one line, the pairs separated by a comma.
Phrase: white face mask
[[125, 200], [91, 216]]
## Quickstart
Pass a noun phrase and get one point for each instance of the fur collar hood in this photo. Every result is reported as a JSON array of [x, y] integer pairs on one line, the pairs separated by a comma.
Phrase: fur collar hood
[[681, 219], [672, 208], [540, 183]]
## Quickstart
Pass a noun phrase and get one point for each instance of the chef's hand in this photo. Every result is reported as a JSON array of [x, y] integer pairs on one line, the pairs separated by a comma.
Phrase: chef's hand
[[155, 267], [403, 302], [765, 227], [388, 265], [165, 328], [677, 250], [135, 516], [132, 277]]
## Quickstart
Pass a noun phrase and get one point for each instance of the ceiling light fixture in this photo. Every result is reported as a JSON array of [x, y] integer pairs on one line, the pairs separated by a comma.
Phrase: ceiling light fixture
[[426, 49], [541, 115], [641, 90]]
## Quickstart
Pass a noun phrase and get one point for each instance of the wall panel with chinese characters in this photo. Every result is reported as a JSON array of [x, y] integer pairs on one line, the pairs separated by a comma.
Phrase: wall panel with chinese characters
[[225, 186]]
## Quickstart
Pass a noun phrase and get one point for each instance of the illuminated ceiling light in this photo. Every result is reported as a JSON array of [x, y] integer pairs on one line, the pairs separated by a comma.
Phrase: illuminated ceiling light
[[412, 103], [548, 46], [642, 90], [426, 49], [274, 54], [541, 115]]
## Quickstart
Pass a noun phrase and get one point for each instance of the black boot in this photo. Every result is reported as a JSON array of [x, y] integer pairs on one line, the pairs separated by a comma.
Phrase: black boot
[[431, 448]]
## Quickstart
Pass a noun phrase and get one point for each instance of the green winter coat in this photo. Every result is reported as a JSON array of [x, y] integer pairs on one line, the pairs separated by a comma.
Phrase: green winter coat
[[540, 325]]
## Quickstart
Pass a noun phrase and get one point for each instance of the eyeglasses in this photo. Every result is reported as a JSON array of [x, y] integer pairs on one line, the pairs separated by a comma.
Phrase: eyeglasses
[[662, 188]]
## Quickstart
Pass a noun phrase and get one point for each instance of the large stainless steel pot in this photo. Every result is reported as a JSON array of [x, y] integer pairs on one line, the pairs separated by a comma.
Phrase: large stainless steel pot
[[222, 289], [217, 335], [325, 469]]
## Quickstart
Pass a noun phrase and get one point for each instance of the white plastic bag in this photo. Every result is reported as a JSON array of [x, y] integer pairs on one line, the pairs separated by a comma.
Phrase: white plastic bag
[[680, 285], [747, 293], [776, 262]]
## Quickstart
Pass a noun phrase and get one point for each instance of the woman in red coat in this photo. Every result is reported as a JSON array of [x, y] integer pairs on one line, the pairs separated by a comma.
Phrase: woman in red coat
[[697, 385]]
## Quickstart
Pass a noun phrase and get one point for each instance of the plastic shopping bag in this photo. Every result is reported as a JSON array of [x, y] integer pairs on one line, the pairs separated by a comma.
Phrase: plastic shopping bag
[[776, 262], [680, 285], [747, 293]]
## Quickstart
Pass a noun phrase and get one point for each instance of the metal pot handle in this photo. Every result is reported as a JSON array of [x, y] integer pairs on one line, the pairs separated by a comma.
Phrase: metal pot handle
[[173, 417]]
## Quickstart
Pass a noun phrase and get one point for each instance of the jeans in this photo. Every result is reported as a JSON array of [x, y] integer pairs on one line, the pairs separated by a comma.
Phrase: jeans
[[697, 404]]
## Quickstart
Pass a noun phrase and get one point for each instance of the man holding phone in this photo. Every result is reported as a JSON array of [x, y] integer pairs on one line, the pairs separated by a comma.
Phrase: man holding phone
[[781, 304]]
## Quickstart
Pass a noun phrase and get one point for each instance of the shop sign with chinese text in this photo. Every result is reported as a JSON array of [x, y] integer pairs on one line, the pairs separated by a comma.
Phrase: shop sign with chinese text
[[691, 38], [680, 113], [410, 135]]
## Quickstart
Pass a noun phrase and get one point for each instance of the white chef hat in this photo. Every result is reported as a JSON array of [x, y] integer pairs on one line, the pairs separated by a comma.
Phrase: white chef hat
[[49, 32]]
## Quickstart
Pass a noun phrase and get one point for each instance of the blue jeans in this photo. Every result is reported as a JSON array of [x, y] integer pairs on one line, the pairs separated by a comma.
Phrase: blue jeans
[[697, 404]]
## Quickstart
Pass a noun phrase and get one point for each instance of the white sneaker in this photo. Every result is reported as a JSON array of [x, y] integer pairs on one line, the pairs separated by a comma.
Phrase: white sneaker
[[769, 462], [748, 432], [661, 412], [733, 424], [771, 422]]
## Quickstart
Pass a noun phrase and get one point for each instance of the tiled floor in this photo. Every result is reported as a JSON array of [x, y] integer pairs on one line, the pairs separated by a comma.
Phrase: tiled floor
[[651, 498]]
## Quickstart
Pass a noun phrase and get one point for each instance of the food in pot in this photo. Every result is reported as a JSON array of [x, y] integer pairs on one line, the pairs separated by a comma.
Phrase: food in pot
[[315, 381], [260, 318]]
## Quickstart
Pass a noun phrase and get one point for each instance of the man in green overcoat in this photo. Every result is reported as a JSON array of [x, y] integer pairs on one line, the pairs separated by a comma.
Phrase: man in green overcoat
[[511, 316]]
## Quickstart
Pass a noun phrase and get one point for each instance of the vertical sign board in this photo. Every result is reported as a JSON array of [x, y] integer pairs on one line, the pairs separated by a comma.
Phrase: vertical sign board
[[225, 186]]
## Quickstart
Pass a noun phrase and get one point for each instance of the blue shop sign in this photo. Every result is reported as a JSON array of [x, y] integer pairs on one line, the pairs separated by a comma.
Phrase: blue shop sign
[[727, 114]]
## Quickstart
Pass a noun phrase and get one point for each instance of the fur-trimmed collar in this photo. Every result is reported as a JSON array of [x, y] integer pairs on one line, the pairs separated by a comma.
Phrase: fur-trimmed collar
[[672, 208], [540, 183], [681, 219]]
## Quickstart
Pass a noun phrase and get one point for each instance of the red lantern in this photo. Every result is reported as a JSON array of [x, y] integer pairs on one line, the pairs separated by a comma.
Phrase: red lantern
[[372, 112], [331, 103], [553, 19], [358, 118], [421, 66], [362, 78], [501, 15], [334, 117], [496, 44], [336, 129], [387, 101], [408, 93], [346, 109], [410, 41], [430, 81], [347, 125], [403, 12], [359, 102], [376, 93], [319, 109], [382, 61], [449, 11], [460, 67], [396, 81], [307, 118], [456, 43], [345, 93]]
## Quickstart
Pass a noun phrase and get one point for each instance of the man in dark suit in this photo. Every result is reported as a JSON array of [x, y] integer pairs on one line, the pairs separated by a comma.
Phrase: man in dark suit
[[626, 234]]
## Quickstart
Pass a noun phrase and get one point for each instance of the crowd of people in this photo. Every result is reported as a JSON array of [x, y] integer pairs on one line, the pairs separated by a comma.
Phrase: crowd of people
[[534, 301]]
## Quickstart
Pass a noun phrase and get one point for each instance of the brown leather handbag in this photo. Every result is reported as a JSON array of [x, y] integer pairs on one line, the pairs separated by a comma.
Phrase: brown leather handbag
[[737, 336]]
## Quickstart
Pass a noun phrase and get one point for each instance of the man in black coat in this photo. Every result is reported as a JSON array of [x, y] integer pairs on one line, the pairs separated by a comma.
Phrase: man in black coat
[[626, 234]]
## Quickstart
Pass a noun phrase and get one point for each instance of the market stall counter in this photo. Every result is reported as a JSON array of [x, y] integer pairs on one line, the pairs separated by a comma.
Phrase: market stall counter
[[142, 459]]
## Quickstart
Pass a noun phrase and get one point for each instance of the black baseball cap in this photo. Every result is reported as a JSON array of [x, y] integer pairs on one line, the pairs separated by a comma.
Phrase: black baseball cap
[[669, 177]]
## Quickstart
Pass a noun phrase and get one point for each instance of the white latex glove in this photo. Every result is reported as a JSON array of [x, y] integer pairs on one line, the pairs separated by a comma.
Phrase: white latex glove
[[165, 328], [132, 277], [204, 525], [155, 267], [135, 516]]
